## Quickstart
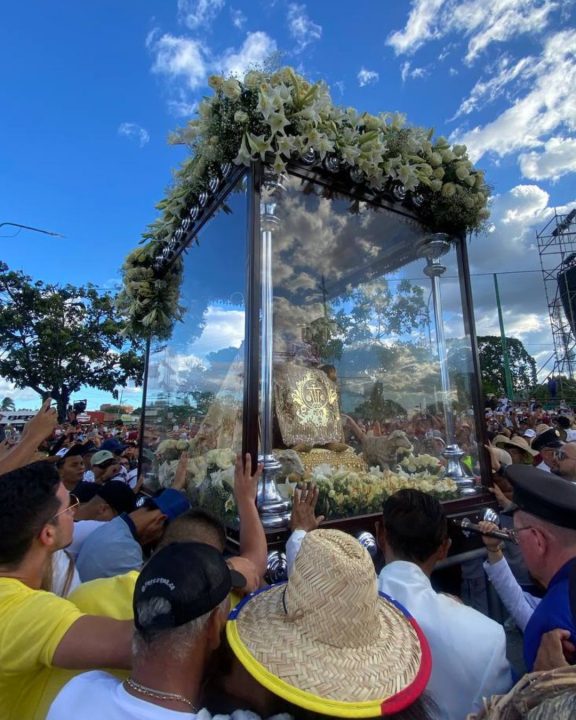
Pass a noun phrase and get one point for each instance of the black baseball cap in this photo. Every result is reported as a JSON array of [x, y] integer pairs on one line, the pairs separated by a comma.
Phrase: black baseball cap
[[543, 495], [118, 495], [192, 577]]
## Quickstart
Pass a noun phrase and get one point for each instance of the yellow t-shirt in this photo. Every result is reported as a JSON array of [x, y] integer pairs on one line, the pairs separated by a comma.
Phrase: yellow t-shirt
[[108, 597], [32, 624]]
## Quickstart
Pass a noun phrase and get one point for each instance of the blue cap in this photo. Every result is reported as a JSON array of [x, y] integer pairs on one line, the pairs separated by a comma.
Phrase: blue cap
[[170, 502], [113, 445]]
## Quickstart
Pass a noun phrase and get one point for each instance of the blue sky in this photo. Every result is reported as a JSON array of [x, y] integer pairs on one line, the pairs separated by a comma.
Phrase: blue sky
[[90, 91]]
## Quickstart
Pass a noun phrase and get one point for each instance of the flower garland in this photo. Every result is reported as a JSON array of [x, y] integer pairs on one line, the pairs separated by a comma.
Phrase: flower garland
[[277, 117]]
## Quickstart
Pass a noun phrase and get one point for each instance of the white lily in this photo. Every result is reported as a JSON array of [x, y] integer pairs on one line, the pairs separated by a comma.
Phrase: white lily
[[259, 145], [244, 156]]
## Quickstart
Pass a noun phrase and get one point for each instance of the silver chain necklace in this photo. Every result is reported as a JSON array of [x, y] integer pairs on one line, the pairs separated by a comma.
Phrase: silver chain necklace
[[158, 694]]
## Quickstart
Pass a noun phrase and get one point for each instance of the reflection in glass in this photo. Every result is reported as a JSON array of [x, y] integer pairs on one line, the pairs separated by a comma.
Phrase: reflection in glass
[[195, 382]]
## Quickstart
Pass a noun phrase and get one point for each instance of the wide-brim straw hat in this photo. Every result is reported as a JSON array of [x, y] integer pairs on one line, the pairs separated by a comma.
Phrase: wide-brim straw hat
[[515, 441], [327, 640]]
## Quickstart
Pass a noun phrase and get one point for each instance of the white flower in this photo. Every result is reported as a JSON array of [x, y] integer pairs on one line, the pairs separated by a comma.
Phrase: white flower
[[240, 116], [244, 155], [231, 88], [265, 105], [277, 122], [286, 145], [259, 145]]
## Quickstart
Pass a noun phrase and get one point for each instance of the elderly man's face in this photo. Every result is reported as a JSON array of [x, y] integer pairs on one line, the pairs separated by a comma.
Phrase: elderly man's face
[[549, 457], [566, 461]]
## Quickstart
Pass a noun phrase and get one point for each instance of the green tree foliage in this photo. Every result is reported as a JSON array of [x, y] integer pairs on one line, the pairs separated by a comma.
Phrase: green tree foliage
[[522, 365], [377, 312], [7, 405], [56, 339]]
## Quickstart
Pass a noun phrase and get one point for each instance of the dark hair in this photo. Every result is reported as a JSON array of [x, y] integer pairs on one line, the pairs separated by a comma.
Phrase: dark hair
[[27, 502], [415, 524], [195, 525]]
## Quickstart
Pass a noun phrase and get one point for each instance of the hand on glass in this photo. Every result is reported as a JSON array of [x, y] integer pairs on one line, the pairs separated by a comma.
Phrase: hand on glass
[[246, 484], [501, 498], [180, 474], [303, 509]]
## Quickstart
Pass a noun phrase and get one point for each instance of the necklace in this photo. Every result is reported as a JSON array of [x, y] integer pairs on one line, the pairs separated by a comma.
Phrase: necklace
[[158, 694]]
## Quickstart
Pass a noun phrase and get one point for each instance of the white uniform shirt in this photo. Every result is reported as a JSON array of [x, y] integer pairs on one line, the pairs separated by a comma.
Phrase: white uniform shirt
[[468, 649]]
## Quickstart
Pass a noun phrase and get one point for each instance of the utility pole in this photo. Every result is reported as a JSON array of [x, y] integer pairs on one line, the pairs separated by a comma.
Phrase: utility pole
[[506, 359]]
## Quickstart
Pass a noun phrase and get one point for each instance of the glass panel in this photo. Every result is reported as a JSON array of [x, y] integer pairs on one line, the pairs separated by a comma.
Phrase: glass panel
[[195, 381], [357, 383]]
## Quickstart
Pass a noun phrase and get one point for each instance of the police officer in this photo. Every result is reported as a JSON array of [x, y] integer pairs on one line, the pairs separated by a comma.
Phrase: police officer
[[544, 513]]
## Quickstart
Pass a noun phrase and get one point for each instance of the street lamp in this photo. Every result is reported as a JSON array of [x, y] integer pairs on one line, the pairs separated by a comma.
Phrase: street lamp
[[34, 229]]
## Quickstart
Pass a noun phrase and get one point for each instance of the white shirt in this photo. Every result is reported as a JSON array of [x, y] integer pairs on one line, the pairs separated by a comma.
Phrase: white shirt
[[519, 604], [65, 577], [570, 435], [98, 695], [468, 649], [543, 466]]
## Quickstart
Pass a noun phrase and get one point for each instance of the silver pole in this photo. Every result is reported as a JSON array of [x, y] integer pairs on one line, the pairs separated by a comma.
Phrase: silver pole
[[274, 510], [434, 248]]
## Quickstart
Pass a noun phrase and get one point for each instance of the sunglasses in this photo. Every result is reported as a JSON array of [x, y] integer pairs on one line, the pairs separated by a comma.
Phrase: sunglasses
[[73, 503]]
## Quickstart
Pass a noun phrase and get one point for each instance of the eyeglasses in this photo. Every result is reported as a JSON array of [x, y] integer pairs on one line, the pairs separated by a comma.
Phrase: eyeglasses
[[515, 531], [73, 503]]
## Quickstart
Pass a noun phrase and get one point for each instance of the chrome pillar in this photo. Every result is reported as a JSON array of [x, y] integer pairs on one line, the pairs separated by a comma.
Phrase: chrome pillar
[[274, 510], [434, 248]]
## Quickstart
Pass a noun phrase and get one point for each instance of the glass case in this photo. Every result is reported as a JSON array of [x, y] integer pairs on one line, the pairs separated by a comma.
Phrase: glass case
[[328, 333]]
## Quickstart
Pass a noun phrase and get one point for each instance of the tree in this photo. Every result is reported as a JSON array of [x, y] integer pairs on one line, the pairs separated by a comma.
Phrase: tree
[[7, 405], [373, 312], [522, 365], [56, 339]]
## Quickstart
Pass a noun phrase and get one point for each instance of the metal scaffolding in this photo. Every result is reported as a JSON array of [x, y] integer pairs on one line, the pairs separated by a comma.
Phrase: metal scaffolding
[[557, 250]]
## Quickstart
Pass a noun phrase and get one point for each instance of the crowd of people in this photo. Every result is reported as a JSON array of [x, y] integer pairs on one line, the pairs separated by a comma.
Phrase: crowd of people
[[122, 603]]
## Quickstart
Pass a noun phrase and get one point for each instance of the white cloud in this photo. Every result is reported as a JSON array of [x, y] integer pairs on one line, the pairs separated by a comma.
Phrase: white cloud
[[367, 77], [485, 91], [510, 247], [257, 47], [419, 28], [238, 18], [549, 104], [186, 63], [301, 28], [134, 132], [408, 72], [179, 58], [223, 329], [483, 23], [197, 13], [558, 158]]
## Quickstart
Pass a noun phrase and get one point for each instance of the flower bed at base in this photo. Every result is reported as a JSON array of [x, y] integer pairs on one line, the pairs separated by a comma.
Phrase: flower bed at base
[[342, 492]]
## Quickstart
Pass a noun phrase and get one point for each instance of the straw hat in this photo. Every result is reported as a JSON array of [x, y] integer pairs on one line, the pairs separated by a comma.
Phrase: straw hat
[[326, 640], [515, 441]]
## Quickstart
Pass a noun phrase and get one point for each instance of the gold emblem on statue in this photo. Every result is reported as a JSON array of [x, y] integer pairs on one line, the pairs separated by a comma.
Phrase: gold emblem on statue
[[313, 400], [306, 406]]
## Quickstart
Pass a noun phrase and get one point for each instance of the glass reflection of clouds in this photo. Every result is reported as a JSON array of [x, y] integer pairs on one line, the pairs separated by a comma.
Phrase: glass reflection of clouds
[[358, 268], [204, 354]]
